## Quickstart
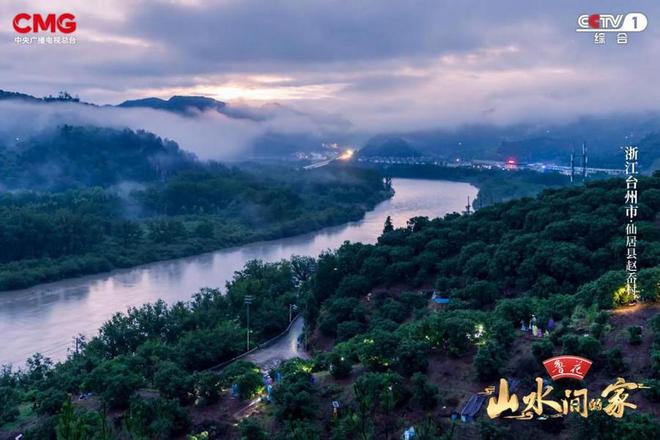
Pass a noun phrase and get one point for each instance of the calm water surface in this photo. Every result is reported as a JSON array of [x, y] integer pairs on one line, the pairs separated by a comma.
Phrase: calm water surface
[[45, 318]]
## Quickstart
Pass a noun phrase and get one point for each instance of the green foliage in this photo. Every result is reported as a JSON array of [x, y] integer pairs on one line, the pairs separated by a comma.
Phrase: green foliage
[[653, 391], [588, 347], [299, 430], [250, 429], [246, 375], [340, 365], [424, 393], [155, 418], [70, 426], [207, 387], [114, 381], [634, 335], [614, 361], [48, 236], [490, 430], [378, 349], [489, 361], [174, 382], [413, 356], [633, 426], [295, 395], [8, 404], [542, 350]]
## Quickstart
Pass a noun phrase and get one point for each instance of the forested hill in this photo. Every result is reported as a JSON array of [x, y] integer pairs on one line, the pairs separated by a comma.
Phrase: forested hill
[[71, 157], [49, 236], [387, 354]]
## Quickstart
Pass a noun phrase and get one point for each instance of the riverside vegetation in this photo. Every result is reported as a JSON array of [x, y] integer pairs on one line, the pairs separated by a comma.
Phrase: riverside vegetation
[[379, 348]]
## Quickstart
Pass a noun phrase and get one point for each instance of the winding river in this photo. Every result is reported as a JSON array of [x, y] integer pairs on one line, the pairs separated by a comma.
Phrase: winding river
[[45, 318]]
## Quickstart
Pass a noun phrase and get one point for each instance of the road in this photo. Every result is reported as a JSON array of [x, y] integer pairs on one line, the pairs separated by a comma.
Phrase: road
[[286, 348]]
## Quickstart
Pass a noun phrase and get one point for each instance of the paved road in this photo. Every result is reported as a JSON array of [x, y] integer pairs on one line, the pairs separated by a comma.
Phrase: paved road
[[286, 348]]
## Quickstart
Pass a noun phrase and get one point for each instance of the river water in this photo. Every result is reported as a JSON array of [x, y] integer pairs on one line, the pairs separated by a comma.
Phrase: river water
[[45, 318]]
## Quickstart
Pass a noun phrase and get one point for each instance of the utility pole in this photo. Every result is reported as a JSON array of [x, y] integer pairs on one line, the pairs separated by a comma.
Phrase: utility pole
[[248, 301], [573, 164], [584, 161]]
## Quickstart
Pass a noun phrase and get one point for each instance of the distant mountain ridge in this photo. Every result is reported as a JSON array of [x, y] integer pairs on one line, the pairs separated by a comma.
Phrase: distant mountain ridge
[[178, 104]]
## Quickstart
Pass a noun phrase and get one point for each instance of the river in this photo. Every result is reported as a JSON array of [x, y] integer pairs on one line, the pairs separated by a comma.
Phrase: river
[[45, 318]]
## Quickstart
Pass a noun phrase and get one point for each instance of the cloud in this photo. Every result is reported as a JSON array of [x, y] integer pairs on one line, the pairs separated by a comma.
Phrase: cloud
[[380, 65], [210, 135]]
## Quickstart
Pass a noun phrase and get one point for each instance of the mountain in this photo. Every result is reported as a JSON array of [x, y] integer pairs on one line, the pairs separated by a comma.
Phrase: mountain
[[61, 97], [185, 105], [72, 156], [541, 142], [384, 146]]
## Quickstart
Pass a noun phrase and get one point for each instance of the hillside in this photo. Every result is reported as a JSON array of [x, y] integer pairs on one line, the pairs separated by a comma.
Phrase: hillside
[[389, 356], [55, 235], [186, 105], [72, 157], [387, 147]]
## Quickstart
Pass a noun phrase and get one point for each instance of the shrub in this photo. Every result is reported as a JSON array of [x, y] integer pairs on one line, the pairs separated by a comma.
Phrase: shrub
[[340, 365], [413, 356], [614, 359], [588, 347], [542, 350], [173, 382], [155, 418], [635, 335], [569, 343], [207, 387], [489, 361], [424, 393], [244, 374]]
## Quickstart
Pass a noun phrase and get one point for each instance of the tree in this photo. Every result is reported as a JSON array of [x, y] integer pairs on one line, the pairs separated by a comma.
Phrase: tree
[[173, 382], [70, 426], [413, 356], [389, 227], [207, 387], [114, 381], [9, 399], [542, 350], [489, 430], [489, 361], [155, 418], [246, 376], [251, 430], [634, 335], [340, 365], [424, 393], [377, 350], [589, 347]]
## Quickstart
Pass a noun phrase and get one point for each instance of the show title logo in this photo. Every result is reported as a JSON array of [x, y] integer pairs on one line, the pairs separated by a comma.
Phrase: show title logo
[[542, 404], [38, 28]]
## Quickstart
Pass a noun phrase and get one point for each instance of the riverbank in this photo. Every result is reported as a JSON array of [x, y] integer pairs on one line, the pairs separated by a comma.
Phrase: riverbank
[[52, 236], [44, 318], [495, 186]]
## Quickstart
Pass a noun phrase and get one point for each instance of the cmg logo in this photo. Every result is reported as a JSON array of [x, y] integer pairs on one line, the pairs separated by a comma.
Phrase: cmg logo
[[25, 23]]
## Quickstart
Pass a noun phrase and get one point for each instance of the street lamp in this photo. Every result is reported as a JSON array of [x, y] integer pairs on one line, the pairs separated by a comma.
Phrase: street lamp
[[292, 307], [248, 301]]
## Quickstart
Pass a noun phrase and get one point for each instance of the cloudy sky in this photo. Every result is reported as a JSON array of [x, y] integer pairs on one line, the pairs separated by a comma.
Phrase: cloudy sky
[[381, 64]]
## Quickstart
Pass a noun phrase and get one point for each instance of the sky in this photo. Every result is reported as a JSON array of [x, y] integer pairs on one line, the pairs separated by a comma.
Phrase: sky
[[379, 64]]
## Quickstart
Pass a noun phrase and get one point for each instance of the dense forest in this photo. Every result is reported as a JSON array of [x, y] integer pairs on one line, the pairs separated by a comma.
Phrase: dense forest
[[381, 348], [54, 235], [69, 157]]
